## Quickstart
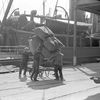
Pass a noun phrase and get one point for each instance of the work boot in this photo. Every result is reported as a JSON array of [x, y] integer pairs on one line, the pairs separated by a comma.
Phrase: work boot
[[57, 78], [62, 79], [36, 80], [31, 78], [24, 75]]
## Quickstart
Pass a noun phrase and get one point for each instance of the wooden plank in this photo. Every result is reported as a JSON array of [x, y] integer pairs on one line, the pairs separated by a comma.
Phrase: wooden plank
[[76, 86]]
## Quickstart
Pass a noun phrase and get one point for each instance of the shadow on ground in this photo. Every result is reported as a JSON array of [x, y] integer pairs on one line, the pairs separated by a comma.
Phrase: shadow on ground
[[45, 84], [23, 79], [94, 97]]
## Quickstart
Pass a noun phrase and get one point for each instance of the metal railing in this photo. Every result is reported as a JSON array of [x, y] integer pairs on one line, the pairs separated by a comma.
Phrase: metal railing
[[12, 49]]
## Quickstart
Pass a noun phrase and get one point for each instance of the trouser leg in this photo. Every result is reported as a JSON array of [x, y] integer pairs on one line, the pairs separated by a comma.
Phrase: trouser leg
[[35, 76], [36, 72], [20, 70], [33, 71], [56, 72], [25, 69], [60, 72], [32, 74]]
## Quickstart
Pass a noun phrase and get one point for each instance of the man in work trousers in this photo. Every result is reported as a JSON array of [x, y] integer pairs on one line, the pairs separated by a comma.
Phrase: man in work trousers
[[25, 58], [58, 66], [57, 59], [37, 58]]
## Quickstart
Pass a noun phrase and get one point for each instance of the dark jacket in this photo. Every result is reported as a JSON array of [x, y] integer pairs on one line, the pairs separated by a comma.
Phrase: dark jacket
[[25, 56]]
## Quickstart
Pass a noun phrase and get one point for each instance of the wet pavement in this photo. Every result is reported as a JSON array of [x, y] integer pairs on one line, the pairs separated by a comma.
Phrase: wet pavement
[[77, 85]]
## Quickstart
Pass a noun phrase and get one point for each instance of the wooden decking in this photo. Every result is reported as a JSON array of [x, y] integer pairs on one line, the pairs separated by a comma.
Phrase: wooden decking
[[77, 85]]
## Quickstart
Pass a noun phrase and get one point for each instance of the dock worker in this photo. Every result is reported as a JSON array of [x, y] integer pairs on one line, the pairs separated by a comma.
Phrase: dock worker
[[37, 60], [24, 63], [58, 63], [58, 66]]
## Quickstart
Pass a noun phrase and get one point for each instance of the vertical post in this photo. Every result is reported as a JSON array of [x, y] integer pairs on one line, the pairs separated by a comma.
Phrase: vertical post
[[99, 43], [74, 38], [92, 29], [44, 7]]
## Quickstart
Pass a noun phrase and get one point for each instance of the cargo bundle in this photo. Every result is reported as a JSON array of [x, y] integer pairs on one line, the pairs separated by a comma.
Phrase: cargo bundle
[[45, 36]]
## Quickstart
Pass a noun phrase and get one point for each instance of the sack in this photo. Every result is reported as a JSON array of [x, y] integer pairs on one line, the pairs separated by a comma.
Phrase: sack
[[53, 44], [43, 32], [46, 53], [50, 44], [34, 43], [59, 43]]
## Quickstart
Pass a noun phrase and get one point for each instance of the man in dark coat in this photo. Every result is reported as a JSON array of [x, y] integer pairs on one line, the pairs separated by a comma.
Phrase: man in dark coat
[[37, 61], [58, 63], [58, 66], [25, 58]]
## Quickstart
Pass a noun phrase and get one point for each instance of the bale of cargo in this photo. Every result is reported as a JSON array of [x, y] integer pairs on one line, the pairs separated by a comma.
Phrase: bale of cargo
[[57, 57], [46, 36], [34, 43], [43, 32], [50, 44], [53, 44], [58, 42], [46, 53]]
